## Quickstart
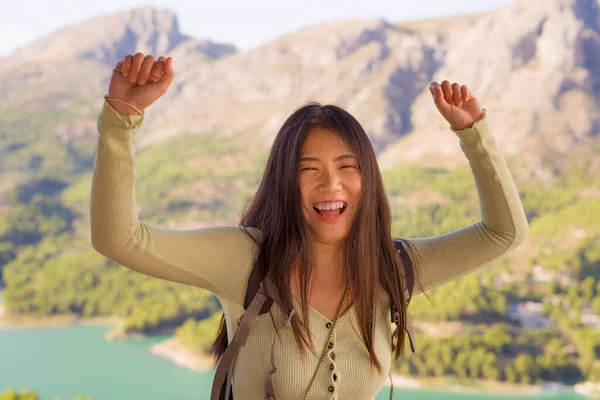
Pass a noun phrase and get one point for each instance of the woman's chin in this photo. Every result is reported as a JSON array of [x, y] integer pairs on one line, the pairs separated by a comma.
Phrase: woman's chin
[[333, 233]]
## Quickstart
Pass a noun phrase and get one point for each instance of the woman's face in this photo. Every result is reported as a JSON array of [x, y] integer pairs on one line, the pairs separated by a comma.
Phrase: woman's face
[[330, 185]]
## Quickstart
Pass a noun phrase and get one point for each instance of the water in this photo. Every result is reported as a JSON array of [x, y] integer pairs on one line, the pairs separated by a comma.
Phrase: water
[[73, 360]]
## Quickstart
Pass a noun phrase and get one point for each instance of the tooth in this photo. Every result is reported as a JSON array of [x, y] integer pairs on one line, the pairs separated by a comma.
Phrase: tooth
[[330, 206]]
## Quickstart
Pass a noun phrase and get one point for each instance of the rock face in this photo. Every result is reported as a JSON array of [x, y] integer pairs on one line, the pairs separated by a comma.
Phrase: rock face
[[75, 62], [108, 38], [534, 65]]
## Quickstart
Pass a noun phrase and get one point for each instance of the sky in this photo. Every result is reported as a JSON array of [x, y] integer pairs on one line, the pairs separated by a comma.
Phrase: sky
[[245, 24]]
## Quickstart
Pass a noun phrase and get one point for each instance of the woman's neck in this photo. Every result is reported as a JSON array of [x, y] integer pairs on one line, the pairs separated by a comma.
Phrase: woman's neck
[[329, 264]]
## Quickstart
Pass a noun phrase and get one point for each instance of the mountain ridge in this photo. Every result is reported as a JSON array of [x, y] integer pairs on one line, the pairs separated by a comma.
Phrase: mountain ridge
[[379, 71]]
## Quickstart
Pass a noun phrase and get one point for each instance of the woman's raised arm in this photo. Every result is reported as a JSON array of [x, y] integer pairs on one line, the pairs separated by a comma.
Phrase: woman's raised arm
[[217, 258], [503, 223]]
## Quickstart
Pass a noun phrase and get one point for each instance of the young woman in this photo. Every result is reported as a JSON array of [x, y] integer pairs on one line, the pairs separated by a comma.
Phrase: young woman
[[319, 225]]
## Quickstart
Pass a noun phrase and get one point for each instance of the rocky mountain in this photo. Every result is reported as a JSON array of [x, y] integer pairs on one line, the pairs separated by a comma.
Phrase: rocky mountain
[[76, 61], [107, 38], [534, 65]]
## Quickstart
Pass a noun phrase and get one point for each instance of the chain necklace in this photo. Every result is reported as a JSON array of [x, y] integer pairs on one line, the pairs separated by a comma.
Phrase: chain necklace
[[339, 310]]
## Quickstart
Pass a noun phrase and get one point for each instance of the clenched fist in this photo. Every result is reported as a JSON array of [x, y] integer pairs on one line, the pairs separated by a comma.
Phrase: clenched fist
[[139, 80], [456, 103]]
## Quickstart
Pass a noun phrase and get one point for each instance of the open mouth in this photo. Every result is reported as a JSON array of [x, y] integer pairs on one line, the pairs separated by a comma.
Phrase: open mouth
[[330, 209]]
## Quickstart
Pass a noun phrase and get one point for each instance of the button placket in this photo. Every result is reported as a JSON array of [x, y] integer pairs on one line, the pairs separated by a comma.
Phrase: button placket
[[334, 376]]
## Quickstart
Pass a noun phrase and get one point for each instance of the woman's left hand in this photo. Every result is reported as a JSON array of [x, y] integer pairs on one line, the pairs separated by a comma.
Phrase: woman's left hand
[[456, 103]]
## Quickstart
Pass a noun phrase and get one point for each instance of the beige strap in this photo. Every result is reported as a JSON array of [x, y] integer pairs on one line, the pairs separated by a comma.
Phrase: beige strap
[[239, 339], [272, 292], [269, 389]]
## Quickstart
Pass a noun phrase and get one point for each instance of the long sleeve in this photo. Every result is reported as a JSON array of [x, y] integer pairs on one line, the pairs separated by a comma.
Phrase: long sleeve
[[217, 258], [503, 223]]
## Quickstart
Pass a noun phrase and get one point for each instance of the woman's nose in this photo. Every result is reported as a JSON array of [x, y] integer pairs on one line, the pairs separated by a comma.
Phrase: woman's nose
[[330, 181]]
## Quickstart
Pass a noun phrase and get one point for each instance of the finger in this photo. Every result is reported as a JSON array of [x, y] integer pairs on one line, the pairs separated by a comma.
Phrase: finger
[[447, 88], [456, 95], [157, 69], [433, 88], [464, 91], [136, 65], [119, 66], [438, 96], [127, 62], [168, 75], [145, 69]]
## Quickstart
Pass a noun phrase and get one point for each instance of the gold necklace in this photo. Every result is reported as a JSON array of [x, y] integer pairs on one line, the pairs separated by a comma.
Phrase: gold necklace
[[339, 310]]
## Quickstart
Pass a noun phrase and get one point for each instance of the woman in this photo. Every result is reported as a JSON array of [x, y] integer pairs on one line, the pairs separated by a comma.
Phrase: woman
[[320, 226]]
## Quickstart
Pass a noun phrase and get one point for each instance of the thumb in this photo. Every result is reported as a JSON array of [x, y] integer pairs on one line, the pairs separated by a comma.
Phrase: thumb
[[167, 78], [438, 97]]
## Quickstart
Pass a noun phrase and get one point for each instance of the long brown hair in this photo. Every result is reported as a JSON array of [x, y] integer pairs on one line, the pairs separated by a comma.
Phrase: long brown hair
[[275, 210]]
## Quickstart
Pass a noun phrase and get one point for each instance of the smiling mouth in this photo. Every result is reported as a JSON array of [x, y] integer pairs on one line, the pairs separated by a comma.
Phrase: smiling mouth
[[329, 210]]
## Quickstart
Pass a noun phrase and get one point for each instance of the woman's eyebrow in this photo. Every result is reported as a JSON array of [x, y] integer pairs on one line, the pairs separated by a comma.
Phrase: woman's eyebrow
[[342, 157]]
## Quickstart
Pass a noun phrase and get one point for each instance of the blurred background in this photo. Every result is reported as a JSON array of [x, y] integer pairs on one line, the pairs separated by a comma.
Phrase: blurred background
[[75, 325]]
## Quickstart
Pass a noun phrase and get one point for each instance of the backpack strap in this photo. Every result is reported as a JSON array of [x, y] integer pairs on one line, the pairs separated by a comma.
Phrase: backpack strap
[[409, 272], [260, 296], [409, 276], [245, 323], [257, 275], [273, 293]]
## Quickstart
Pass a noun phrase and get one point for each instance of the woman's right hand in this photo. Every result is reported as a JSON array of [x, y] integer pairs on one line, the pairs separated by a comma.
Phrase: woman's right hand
[[140, 81]]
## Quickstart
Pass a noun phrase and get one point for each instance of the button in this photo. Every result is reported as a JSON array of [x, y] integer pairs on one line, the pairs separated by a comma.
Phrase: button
[[329, 345], [331, 389], [331, 367], [334, 377], [328, 325], [332, 355]]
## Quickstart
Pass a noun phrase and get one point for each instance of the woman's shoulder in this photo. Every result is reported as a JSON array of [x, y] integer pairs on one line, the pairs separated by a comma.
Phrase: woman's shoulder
[[232, 252], [246, 236], [232, 242]]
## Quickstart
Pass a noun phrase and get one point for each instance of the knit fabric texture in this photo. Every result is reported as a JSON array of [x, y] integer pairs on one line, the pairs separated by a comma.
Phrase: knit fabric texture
[[220, 259]]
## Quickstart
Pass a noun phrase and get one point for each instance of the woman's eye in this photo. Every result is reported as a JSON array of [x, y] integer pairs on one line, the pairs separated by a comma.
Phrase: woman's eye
[[308, 169], [348, 166]]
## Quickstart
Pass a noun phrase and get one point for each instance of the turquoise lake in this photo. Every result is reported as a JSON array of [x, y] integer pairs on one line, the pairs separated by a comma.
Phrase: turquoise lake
[[76, 359]]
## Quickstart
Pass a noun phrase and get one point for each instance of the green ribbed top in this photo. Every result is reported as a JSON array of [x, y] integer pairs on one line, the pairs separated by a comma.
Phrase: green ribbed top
[[220, 259]]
